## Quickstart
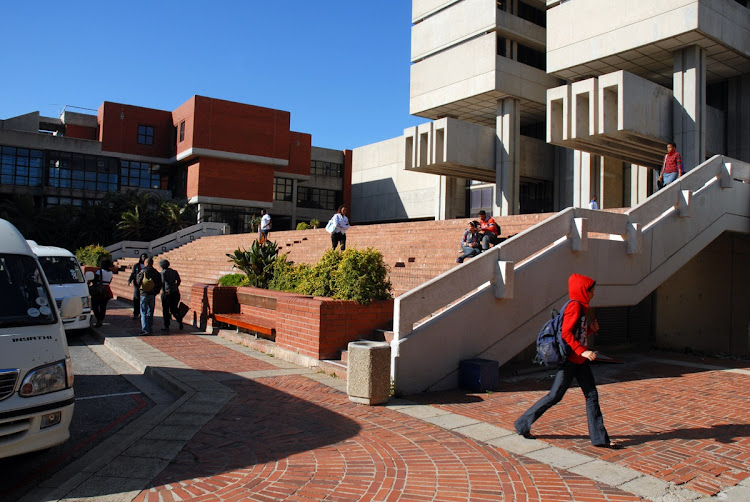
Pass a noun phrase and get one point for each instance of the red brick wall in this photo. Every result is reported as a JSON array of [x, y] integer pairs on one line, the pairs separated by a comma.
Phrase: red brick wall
[[185, 112], [230, 179], [118, 130], [348, 180], [300, 152], [81, 132]]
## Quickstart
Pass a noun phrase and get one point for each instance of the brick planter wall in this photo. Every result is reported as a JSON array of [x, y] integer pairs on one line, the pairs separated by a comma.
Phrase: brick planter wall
[[209, 299], [312, 326]]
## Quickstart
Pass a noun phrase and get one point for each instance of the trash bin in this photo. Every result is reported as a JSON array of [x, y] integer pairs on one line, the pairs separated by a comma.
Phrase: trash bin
[[478, 375], [368, 378]]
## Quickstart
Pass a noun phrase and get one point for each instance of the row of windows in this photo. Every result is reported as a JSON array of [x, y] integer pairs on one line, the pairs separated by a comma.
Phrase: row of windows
[[523, 53], [21, 166], [139, 174], [332, 169], [315, 198]]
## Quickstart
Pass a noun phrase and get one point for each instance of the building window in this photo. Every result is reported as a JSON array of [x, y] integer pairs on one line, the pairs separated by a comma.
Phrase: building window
[[81, 172], [317, 198], [282, 189], [21, 166], [145, 135], [481, 199], [67, 201], [532, 14], [502, 47], [332, 169], [532, 57], [139, 174], [182, 131]]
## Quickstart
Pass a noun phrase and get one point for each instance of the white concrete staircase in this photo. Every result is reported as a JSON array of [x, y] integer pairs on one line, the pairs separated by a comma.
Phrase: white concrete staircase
[[492, 306]]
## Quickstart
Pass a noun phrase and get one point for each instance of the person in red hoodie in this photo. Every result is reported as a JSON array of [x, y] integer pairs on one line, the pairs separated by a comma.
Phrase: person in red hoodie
[[575, 331]]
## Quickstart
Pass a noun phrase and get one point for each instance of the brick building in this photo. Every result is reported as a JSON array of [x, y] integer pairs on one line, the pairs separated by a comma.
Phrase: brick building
[[229, 159]]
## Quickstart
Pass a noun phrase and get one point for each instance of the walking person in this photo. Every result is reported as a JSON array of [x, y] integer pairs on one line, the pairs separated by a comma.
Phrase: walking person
[[265, 225], [100, 290], [339, 224], [170, 295], [575, 331], [593, 204], [149, 284], [671, 169], [137, 268]]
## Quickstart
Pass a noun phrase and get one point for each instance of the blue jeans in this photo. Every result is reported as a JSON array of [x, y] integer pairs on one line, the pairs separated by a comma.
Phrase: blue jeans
[[147, 311], [668, 178], [563, 378]]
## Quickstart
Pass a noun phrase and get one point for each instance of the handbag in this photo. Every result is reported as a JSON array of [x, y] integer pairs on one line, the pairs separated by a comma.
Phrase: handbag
[[331, 226], [182, 310]]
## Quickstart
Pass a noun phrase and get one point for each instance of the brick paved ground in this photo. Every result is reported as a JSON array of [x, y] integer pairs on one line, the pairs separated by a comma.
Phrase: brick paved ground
[[287, 435], [686, 425], [292, 438]]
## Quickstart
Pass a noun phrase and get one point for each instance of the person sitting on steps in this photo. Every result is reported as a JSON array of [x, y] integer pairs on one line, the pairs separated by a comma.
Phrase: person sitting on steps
[[470, 243]]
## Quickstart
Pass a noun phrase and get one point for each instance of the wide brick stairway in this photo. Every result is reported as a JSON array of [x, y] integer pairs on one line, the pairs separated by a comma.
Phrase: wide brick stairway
[[415, 252]]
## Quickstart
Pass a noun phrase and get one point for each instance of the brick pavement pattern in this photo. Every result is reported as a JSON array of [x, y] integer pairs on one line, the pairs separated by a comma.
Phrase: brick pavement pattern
[[292, 438], [687, 426]]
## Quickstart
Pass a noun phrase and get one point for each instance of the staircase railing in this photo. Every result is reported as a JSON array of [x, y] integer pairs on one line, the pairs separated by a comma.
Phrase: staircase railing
[[492, 305], [168, 242]]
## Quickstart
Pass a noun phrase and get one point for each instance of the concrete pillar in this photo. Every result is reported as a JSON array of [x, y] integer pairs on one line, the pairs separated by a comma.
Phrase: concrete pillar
[[507, 157], [584, 177], [610, 183], [640, 178], [445, 198], [689, 115]]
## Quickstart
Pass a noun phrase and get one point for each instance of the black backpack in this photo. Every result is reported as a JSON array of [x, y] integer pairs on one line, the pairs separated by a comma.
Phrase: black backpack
[[551, 349]]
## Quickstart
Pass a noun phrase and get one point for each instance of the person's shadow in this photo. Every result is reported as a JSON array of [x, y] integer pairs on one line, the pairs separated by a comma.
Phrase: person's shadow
[[724, 433]]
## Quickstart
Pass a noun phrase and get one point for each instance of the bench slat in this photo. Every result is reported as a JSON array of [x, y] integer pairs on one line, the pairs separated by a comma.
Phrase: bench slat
[[253, 323]]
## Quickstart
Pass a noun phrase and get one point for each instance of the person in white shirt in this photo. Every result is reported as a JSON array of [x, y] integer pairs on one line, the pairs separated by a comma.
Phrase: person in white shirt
[[593, 204], [342, 225], [265, 225], [103, 293]]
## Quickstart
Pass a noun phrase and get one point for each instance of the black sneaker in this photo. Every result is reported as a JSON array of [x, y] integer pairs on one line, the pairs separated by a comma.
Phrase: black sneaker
[[180, 325], [143, 333]]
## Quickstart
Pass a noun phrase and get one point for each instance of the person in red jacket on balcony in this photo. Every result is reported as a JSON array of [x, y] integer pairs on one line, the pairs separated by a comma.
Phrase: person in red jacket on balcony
[[489, 231], [575, 332]]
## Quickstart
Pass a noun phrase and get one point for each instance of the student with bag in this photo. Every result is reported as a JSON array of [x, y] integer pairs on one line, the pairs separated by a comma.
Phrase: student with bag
[[170, 296], [149, 285], [575, 332], [100, 291], [136, 292], [337, 227]]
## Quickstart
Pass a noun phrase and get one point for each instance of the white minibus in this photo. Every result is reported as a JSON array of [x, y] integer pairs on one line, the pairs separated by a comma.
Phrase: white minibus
[[36, 372]]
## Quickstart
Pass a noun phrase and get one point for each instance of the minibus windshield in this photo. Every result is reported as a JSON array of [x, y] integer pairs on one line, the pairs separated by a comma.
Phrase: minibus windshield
[[24, 299], [61, 269]]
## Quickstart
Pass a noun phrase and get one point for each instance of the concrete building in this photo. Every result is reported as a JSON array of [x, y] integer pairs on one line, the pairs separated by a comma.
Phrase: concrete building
[[537, 106], [229, 159]]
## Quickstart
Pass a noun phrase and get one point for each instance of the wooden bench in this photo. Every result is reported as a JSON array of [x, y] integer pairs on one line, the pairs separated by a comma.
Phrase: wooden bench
[[253, 323]]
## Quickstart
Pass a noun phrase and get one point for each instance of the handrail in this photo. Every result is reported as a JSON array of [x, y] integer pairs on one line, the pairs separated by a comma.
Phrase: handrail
[[167, 242], [554, 245]]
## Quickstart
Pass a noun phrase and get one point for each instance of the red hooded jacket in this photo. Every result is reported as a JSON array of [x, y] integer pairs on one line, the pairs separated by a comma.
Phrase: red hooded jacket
[[579, 289]]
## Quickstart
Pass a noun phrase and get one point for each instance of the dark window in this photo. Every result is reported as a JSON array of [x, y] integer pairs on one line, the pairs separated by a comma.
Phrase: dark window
[[535, 196], [139, 174], [83, 172], [145, 135], [481, 198], [182, 131], [532, 57], [536, 130], [282, 189], [317, 198], [529, 13], [321, 168], [502, 47], [20, 166]]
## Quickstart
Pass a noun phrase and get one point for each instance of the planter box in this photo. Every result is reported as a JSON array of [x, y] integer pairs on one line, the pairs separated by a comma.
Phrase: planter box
[[313, 326]]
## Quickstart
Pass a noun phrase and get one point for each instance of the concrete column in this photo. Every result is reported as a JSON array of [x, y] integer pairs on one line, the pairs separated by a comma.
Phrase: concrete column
[[584, 176], [640, 178], [609, 183], [294, 204], [689, 112], [507, 157], [201, 212]]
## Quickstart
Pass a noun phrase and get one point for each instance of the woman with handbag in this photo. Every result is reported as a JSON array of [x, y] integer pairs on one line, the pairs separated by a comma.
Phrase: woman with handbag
[[100, 290]]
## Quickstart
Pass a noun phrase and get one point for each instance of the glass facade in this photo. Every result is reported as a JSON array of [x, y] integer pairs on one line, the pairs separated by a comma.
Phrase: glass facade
[[139, 174], [282, 189], [318, 198], [21, 166], [82, 172], [321, 168]]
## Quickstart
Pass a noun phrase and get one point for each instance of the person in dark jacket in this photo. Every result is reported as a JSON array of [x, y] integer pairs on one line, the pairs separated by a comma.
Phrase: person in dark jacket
[[170, 295], [149, 285], [575, 332], [136, 292]]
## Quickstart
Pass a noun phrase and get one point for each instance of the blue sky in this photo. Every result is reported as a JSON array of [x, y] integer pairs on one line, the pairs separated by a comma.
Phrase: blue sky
[[340, 67]]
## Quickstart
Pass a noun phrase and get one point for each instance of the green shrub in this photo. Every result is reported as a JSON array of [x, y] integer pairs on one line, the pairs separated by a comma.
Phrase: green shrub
[[257, 263], [303, 226], [286, 275], [233, 280], [318, 280], [361, 276], [92, 255], [314, 223]]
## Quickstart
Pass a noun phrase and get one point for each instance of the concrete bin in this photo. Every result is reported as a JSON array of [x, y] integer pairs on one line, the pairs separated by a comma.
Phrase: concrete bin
[[369, 373]]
